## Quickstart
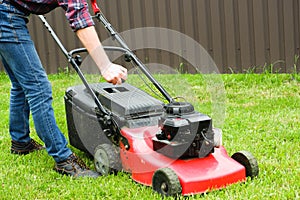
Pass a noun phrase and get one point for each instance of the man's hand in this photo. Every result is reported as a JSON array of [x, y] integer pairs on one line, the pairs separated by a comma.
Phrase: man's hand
[[114, 73]]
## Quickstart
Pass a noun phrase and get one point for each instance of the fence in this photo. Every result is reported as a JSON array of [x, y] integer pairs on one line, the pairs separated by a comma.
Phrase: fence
[[240, 35]]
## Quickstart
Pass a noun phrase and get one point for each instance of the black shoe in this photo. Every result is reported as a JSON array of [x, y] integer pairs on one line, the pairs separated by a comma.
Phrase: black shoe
[[75, 167], [22, 148]]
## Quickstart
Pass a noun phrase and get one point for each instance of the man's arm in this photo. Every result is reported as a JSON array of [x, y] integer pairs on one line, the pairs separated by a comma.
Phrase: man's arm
[[111, 72]]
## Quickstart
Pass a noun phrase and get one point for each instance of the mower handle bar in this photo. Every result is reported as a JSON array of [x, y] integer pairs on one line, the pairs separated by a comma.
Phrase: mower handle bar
[[106, 48], [72, 61], [123, 48]]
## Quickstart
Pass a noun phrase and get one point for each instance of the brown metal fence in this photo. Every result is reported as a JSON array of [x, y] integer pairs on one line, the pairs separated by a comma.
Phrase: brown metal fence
[[240, 35]]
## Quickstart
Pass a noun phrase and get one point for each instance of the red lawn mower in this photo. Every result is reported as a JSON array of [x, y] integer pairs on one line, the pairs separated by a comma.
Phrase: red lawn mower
[[168, 146]]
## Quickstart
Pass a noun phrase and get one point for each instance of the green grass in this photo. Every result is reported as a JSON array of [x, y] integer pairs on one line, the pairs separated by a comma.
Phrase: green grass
[[262, 116]]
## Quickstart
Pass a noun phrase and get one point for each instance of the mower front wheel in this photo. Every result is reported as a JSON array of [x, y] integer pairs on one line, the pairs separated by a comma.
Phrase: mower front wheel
[[165, 181], [107, 159], [246, 159]]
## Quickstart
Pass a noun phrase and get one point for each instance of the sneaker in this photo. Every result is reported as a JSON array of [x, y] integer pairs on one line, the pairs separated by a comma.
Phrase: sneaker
[[22, 148], [74, 166]]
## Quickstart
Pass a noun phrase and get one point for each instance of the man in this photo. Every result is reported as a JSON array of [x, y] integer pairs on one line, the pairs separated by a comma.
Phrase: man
[[31, 90]]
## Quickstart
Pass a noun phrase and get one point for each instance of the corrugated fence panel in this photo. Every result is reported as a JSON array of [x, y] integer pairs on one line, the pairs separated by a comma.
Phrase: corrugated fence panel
[[275, 17], [230, 52], [260, 34], [240, 35], [289, 33]]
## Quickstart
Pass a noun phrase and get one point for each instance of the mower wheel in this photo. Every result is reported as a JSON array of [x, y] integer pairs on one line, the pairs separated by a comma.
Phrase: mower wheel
[[107, 159], [166, 182], [246, 159]]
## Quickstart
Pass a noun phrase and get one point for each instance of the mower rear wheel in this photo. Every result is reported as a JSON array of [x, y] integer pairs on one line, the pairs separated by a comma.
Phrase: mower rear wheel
[[107, 159], [166, 182], [246, 159]]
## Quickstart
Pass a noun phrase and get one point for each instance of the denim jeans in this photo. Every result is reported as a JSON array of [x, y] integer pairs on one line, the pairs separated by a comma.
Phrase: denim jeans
[[31, 90]]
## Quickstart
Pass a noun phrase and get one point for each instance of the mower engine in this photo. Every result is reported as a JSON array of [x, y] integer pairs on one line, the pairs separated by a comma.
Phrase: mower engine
[[184, 133]]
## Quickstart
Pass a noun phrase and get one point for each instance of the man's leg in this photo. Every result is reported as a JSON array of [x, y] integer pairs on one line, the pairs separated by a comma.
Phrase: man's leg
[[19, 119], [19, 110], [32, 89], [30, 84]]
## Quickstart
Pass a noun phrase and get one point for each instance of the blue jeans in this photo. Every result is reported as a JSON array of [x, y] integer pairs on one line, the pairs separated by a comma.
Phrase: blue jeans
[[31, 90]]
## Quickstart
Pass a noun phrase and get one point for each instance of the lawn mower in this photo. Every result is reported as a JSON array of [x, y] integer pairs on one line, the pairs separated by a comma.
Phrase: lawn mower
[[167, 145]]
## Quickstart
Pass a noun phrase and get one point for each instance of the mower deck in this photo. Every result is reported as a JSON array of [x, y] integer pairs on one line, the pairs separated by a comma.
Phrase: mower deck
[[196, 175]]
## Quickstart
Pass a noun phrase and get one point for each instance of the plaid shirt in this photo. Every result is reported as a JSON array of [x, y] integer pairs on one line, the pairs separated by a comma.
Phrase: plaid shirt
[[77, 11]]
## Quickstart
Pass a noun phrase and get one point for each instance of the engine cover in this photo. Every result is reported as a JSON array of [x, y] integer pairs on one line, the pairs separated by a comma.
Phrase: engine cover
[[184, 133]]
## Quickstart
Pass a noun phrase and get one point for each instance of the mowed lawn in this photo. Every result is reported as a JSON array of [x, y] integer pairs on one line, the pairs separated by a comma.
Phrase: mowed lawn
[[262, 116]]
